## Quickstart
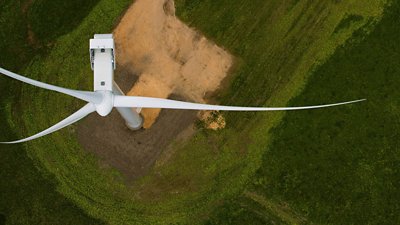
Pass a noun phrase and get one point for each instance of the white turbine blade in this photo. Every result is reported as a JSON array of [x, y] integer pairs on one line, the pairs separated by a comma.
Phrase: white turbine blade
[[84, 95], [146, 102], [84, 111]]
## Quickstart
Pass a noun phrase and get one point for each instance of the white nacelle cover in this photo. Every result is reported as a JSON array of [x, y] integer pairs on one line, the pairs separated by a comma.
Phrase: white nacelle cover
[[102, 61], [101, 43]]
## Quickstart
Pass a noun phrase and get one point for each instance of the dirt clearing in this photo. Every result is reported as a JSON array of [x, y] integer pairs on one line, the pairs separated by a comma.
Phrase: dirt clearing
[[169, 56], [157, 56]]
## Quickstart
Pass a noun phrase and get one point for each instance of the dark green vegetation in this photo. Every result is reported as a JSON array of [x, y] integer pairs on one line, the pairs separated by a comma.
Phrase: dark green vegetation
[[50, 19], [26, 195], [243, 211], [277, 44], [29, 27], [272, 39], [15, 49], [347, 22], [342, 165]]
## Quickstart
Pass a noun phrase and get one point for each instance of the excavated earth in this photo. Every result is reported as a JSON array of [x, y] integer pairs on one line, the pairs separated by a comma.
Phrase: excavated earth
[[157, 56]]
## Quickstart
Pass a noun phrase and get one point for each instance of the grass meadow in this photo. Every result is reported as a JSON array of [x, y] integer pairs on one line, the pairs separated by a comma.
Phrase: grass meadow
[[27, 195], [252, 171], [342, 165]]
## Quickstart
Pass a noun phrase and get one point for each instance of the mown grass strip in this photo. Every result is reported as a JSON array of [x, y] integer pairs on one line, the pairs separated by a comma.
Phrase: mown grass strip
[[282, 212]]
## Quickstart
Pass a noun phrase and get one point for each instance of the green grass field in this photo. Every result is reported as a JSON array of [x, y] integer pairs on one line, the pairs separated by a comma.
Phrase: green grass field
[[27, 196], [244, 173], [342, 165]]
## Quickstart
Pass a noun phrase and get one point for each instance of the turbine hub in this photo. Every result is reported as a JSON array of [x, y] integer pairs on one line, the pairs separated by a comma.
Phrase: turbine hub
[[107, 103]]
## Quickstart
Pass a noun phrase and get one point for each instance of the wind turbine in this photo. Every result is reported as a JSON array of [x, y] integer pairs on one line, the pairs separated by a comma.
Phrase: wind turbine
[[107, 94]]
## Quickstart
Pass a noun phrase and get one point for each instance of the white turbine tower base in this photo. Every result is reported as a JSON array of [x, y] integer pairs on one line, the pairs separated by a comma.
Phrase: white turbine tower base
[[107, 94], [132, 117]]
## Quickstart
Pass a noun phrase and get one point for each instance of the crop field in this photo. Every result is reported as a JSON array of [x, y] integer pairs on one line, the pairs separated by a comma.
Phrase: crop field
[[332, 166]]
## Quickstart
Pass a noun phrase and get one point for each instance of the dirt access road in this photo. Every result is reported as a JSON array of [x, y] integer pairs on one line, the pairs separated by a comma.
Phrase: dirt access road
[[157, 56]]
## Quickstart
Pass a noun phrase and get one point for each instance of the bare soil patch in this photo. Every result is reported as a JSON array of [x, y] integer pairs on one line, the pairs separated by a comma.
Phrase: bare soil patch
[[157, 56], [169, 56], [133, 153]]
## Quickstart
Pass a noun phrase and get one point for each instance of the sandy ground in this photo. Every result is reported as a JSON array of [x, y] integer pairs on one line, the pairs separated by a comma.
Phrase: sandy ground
[[169, 57], [157, 56]]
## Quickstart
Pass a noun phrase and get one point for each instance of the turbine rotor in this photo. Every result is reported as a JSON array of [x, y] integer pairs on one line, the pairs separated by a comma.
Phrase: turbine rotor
[[107, 103], [103, 101]]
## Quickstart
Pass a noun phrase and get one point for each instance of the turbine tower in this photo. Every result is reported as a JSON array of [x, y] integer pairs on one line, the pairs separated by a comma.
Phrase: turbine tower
[[107, 94], [102, 61]]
